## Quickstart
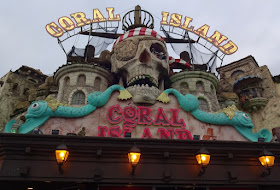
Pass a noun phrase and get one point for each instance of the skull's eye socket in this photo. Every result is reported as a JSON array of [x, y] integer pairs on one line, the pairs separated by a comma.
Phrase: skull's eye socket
[[158, 50], [126, 50], [35, 105]]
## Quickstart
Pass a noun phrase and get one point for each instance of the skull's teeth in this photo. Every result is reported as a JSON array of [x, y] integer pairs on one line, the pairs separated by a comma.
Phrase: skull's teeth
[[154, 81], [135, 80]]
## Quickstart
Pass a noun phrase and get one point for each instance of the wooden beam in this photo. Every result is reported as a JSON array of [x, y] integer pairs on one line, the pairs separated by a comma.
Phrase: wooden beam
[[115, 36], [102, 34]]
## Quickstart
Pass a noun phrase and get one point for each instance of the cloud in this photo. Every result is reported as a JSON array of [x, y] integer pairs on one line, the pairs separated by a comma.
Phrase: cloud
[[24, 41]]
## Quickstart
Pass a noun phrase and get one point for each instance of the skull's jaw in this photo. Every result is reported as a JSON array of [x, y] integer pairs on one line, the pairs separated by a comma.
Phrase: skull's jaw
[[144, 88], [144, 79], [143, 82], [144, 94]]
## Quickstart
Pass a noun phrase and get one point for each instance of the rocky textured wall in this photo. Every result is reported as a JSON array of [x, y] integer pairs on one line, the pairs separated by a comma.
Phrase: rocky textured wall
[[18, 92], [233, 71], [277, 87], [14, 96], [269, 116], [230, 75]]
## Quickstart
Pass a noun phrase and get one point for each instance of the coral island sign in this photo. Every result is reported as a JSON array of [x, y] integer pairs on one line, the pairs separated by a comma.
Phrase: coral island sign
[[80, 19], [141, 115], [176, 20], [216, 39]]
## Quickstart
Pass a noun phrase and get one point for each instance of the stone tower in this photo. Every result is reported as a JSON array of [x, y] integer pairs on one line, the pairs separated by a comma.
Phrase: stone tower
[[202, 84], [82, 75]]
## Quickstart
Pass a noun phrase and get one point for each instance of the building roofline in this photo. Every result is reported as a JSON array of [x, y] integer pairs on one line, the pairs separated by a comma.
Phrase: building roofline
[[34, 70], [232, 63]]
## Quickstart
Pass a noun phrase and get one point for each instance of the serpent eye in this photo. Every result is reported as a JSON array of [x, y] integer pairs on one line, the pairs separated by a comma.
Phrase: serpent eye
[[35, 105], [245, 115]]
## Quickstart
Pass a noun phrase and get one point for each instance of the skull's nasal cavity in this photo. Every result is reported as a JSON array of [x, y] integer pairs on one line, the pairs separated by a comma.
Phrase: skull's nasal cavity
[[145, 57]]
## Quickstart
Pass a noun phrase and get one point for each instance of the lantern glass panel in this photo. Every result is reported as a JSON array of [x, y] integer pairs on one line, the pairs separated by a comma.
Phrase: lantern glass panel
[[61, 156], [134, 158], [267, 161], [203, 159]]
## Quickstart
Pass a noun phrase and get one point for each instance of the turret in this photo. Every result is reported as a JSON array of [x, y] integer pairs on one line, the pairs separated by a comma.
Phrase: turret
[[82, 75]]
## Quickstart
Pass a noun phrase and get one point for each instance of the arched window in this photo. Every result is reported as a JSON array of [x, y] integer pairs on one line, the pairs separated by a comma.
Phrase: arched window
[[203, 105], [66, 81], [184, 88], [78, 98], [81, 80], [97, 83], [199, 86], [236, 73]]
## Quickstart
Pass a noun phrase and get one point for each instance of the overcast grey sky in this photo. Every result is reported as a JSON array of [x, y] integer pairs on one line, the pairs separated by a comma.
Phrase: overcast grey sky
[[253, 25]]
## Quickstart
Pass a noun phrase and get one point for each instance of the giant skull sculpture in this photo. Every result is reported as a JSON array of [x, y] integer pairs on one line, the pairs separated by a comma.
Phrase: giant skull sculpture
[[141, 64]]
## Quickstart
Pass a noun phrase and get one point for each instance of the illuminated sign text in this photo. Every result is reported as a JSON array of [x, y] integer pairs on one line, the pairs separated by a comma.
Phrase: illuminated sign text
[[176, 20], [131, 116], [80, 19]]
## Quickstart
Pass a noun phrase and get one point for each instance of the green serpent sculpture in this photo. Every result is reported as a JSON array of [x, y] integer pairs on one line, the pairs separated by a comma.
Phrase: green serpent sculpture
[[39, 111], [240, 121]]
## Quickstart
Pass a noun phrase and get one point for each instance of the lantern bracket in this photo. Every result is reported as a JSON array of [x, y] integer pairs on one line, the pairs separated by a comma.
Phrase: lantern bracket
[[133, 170], [266, 172], [202, 170], [60, 168]]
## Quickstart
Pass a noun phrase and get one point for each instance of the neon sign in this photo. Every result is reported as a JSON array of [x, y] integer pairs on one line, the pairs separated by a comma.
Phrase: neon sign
[[80, 19], [216, 39], [142, 115], [131, 116]]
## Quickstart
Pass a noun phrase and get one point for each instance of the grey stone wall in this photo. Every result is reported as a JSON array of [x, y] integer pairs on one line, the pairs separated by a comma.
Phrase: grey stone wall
[[199, 83], [67, 78]]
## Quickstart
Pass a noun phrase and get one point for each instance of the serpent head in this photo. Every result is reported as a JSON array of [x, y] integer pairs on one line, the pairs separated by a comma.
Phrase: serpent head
[[242, 119], [187, 102], [37, 109], [243, 124], [98, 99], [37, 114]]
